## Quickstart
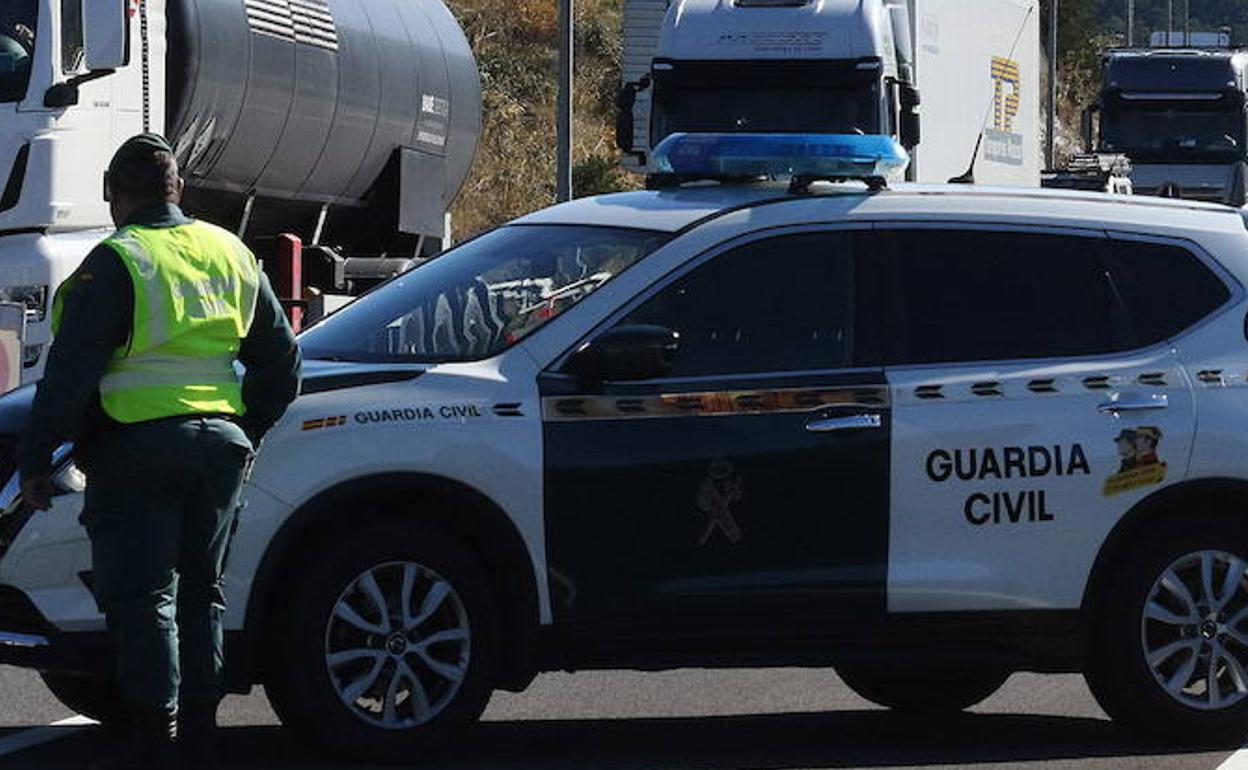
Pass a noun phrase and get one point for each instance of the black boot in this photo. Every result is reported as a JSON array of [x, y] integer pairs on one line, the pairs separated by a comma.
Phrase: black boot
[[197, 737], [149, 745]]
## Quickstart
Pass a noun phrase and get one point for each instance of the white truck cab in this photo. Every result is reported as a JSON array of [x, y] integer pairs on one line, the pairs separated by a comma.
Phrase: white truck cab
[[925, 435], [58, 130], [958, 88]]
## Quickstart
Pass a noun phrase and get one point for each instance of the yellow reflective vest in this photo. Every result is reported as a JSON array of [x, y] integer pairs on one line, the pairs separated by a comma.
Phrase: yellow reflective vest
[[195, 292]]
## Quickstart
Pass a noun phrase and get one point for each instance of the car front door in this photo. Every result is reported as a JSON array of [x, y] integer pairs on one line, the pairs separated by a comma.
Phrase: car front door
[[745, 491]]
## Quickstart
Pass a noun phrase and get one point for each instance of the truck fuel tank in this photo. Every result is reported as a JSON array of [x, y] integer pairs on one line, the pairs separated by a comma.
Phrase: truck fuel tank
[[307, 101]]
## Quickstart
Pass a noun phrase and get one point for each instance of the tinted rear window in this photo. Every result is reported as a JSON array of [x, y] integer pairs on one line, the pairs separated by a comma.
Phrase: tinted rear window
[[1166, 288], [964, 296]]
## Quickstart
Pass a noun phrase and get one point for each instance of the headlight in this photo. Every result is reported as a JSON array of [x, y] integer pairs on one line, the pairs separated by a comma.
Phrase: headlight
[[34, 298]]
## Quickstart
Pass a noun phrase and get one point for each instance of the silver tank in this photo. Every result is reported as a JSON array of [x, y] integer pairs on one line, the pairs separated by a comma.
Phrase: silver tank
[[310, 101]]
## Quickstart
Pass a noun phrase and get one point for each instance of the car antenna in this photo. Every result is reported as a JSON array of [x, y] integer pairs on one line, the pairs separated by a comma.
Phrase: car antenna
[[969, 176]]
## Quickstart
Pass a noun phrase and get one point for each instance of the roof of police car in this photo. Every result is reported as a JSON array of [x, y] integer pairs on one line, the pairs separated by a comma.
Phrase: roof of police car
[[678, 208]]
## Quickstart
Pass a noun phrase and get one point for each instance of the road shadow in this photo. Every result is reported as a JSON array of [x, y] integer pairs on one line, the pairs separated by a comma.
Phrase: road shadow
[[775, 742]]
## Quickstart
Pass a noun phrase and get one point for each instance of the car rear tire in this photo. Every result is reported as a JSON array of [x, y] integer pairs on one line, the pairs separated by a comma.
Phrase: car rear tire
[[97, 697], [919, 689], [1168, 655], [390, 646]]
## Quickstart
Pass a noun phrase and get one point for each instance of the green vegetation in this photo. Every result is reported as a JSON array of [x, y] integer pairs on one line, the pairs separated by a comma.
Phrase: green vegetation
[[1150, 15], [516, 44], [1086, 28]]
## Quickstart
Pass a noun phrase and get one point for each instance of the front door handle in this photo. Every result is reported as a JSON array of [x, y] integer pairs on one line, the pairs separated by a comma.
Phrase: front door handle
[[1135, 403], [856, 422]]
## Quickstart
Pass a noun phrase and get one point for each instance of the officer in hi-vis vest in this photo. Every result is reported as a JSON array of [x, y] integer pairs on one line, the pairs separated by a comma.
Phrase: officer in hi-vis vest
[[142, 377]]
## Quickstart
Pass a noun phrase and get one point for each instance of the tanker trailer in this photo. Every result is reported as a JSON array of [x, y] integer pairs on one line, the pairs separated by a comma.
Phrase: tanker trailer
[[351, 124]]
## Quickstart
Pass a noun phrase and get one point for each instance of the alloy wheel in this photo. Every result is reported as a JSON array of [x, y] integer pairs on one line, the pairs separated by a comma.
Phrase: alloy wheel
[[398, 645], [1192, 630]]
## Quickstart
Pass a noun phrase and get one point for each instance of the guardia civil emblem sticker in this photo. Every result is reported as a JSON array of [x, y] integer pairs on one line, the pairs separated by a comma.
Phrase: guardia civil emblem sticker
[[1140, 464], [720, 492]]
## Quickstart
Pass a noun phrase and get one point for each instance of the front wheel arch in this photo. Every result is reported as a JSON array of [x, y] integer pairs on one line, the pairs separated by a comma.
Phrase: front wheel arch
[[454, 508]]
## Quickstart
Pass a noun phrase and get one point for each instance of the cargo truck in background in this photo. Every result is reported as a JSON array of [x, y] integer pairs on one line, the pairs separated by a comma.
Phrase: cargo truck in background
[[351, 124], [960, 89], [1179, 115]]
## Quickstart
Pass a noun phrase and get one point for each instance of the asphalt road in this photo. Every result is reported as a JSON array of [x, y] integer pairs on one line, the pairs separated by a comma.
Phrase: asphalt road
[[787, 719]]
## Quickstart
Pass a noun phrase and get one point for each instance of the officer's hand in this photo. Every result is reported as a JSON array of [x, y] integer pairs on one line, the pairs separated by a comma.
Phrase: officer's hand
[[37, 492]]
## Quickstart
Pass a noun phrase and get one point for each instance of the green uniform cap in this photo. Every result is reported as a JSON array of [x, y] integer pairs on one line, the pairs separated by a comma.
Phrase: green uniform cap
[[139, 148]]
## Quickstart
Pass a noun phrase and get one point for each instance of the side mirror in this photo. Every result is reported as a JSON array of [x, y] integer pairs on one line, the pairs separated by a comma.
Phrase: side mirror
[[625, 353], [106, 34], [1085, 128], [625, 100], [1237, 194], [909, 128]]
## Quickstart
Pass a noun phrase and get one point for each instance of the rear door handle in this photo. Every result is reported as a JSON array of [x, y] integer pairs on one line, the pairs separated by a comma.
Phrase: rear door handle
[[1135, 403], [855, 422]]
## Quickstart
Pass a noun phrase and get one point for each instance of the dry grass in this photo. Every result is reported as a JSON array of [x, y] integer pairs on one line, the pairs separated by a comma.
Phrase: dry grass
[[516, 44]]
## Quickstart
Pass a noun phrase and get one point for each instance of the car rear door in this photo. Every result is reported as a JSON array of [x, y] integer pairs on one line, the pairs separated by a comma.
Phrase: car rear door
[[1030, 414], [746, 492]]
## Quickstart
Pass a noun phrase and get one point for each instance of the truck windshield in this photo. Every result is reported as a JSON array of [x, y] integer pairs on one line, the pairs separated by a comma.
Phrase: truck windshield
[[18, 22], [832, 96], [782, 109], [1181, 132], [479, 299]]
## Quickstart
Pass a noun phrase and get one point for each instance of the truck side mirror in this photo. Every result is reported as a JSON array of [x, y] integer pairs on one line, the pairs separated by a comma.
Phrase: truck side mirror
[[909, 129], [1085, 128], [106, 34], [1237, 194], [625, 100], [626, 353]]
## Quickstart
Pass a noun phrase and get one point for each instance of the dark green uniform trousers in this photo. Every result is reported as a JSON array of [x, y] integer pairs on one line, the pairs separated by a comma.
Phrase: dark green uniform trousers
[[161, 501]]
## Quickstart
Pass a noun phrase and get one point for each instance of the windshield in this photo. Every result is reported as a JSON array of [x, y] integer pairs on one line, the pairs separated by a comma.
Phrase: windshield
[[780, 109], [479, 299], [1181, 132], [18, 22]]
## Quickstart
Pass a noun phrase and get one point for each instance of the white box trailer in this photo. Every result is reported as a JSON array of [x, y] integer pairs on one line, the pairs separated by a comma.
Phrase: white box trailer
[[842, 66]]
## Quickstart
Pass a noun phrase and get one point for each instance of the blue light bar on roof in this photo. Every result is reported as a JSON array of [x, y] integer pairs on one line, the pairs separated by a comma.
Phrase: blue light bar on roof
[[781, 156]]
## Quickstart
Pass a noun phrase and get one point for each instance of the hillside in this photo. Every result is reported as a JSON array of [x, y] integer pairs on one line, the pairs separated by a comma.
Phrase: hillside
[[516, 44], [1151, 15]]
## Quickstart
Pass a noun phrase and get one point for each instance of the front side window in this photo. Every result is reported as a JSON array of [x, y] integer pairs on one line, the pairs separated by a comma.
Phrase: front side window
[[477, 300], [1166, 288], [969, 296], [71, 36], [790, 303], [18, 22]]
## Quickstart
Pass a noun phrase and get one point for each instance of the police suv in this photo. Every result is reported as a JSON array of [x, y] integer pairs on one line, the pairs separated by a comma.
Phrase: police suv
[[926, 436]]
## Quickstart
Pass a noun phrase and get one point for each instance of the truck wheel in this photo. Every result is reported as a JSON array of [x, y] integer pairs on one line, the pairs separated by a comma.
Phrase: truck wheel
[[96, 697], [921, 689], [1168, 655], [390, 646]]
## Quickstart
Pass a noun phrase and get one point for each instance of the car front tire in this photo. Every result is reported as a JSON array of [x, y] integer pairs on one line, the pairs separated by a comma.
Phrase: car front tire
[[1168, 656], [390, 646], [97, 697]]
